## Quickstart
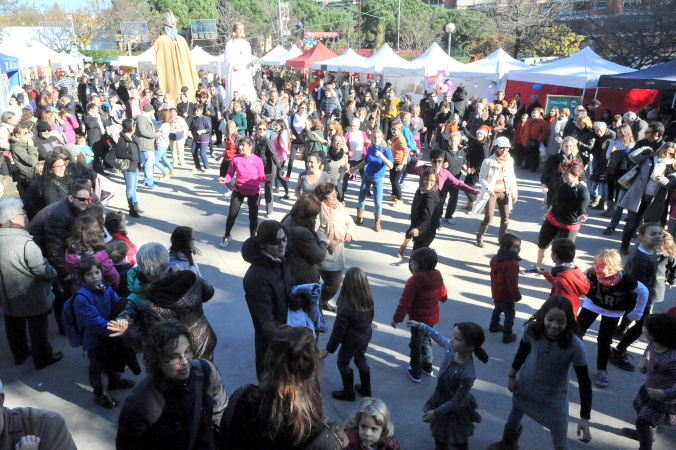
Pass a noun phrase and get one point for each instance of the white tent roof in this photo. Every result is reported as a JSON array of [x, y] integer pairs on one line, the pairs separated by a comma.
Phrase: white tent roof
[[272, 54], [336, 64], [280, 60], [200, 56], [497, 63], [581, 70], [30, 52], [147, 56], [383, 61], [435, 60]]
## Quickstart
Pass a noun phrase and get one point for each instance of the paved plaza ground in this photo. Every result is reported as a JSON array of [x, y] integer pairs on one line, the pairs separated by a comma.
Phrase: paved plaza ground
[[196, 200]]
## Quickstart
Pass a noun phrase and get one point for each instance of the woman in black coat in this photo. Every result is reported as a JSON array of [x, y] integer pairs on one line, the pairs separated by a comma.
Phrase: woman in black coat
[[551, 175], [267, 284], [306, 248], [425, 211], [584, 133], [127, 148]]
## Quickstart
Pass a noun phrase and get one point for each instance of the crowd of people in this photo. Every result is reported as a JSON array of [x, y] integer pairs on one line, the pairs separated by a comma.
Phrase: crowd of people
[[64, 253]]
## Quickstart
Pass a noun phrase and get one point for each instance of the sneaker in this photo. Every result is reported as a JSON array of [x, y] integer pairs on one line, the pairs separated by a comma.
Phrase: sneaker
[[450, 221], [205, 170], [224, 242], [411, 376], [602, 378], [396, 203], [621, 359], [532, 271], [286, 197], [150, 185], [608, 231], [166, 175], [427, 370], [391, 197], [106, 401]]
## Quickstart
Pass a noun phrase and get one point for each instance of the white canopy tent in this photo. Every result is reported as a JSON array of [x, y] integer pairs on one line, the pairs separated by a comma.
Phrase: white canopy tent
[[349, 57], [384, 61], [271, 55], [31, 53], [70, 62], [434, 60], [281, 60], [148, 56], [581, 70], [206, 61]]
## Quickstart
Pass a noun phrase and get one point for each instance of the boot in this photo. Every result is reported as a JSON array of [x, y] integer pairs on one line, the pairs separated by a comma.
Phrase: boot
[[595, 202], [347, 394], [138, 210], [510, 441], [610, 206], [480, 235], [377, 228], [360, 217], [364, 389], [646, 434], [599, 207], [133, 213], [469, 205]]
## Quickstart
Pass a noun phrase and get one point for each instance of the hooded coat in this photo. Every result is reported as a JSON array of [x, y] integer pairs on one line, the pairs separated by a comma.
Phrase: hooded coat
[[459, 100], [180, 296]]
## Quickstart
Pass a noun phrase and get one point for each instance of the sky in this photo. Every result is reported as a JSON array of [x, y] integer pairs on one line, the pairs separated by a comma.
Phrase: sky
[[62, 3]]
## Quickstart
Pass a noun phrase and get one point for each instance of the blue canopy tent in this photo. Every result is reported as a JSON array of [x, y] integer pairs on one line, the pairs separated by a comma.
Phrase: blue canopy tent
[[11, 77]]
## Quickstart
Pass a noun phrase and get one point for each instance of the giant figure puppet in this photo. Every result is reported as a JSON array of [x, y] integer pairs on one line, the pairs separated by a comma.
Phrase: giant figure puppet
[[237, 66]]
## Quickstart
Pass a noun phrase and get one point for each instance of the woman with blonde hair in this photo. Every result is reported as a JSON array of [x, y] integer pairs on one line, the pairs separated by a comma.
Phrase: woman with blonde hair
[[616, 155], [584, 133], [551, 174]]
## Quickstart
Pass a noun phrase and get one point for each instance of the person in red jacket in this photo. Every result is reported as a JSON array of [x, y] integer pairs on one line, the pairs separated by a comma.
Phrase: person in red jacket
[[567, 279], [520, 133], [505, 285], [420, 300], [536, 133]]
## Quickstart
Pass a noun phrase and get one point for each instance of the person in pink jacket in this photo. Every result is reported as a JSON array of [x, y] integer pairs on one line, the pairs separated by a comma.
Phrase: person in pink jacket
[[68, 124], [250, 173]]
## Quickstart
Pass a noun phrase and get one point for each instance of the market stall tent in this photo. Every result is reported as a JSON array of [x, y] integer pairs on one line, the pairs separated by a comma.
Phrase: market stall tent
[[434, 60], [280, 60], [206, 61], [271, 55], [662, 76], [336, 64], [384, 61], [30, 53], [317, 53]]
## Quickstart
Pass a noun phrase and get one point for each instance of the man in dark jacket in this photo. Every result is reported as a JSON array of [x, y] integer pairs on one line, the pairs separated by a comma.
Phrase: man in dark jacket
[[267, 284], [654, 136], [428, 111], [98, 129], [50, 228], [161, 407], [43, 141], [638, 126], [218, 109], [534, 103], [347, 114]]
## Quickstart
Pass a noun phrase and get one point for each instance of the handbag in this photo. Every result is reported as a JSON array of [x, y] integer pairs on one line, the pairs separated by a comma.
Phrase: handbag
[[119, 164], [628, 178]]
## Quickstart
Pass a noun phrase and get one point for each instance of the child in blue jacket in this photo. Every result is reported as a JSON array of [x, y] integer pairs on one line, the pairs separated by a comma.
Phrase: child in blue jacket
[[93, 304]]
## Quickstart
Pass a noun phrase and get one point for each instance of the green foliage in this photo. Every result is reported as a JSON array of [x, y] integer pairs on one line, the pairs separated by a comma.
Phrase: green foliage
[[184, 10], [100, 54], [558, 40]]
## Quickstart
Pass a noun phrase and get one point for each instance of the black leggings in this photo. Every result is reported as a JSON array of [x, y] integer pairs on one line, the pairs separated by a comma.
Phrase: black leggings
[[280, 179], [395, 179], [608, 325], [347, 177], [292, 158], [470, 180], [223, 171], [636, 330], [235, 203], [549, 232]]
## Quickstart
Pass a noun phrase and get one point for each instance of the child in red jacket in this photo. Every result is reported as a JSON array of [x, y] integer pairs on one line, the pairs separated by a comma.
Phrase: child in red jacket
[[505, 285], [420, 300], [567, 279]]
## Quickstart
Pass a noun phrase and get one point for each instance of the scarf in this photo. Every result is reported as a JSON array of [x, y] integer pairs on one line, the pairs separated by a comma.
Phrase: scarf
[[335, 227], [336, 155], [502, 159], [604, 280]]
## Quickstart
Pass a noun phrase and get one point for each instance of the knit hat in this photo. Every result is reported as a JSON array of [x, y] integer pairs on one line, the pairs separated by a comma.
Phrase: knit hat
[[44, 126], [485, 129], [148, 107]]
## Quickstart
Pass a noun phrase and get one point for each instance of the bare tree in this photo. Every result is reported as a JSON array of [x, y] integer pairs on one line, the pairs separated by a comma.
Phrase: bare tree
[[131, 11], [644, 34], [415, 37]]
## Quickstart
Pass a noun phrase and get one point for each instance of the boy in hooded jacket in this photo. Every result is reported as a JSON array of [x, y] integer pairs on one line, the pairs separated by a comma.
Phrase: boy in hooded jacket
[[505, 285], [566, 278]]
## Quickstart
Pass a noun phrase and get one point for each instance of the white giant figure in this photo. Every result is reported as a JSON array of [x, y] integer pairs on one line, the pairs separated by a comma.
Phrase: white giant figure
[[237, 66]]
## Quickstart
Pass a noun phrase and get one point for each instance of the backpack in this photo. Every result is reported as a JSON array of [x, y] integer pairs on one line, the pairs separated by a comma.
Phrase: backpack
[[69, 321]]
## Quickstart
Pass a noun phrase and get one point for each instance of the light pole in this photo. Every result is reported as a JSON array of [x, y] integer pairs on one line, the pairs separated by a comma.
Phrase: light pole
[[450, 28], [398, 22]]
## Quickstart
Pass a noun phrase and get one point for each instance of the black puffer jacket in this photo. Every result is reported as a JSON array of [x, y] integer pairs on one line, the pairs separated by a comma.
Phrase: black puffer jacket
[[267, 284], [161, 411], [50, 228], [180, 296], [351, 329], [459, 100], [306, 251], [585, 142], [264, 149], [127, 148], [425, 212]]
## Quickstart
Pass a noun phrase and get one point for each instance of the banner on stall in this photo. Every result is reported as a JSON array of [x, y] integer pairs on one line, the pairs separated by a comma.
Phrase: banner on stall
[[562, 101]]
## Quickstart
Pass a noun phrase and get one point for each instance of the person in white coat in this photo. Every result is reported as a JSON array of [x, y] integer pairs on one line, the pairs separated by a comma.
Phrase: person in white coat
[[498, 188], [237, 66]]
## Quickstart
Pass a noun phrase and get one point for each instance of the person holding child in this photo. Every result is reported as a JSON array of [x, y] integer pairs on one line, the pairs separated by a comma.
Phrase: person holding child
[[420, 300], [547, 349], [451, 410], [505, 285], [371, 427], [352, 331]]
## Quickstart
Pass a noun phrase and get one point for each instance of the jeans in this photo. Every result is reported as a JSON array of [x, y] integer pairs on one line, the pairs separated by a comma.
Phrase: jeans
[[366, 182], [509, 310], [617, 212], [235, 203], [421, 351], [597, 188], [15, 327], [148, 161], [160, 158], [608, 325], [346, 178], [199, 150], [131, 181]]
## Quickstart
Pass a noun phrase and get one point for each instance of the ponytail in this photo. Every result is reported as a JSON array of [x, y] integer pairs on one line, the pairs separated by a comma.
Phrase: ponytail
[[473, 335]]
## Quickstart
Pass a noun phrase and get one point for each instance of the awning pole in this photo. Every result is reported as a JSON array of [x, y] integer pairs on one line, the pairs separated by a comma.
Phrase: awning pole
[[673, 102], [596, 93]]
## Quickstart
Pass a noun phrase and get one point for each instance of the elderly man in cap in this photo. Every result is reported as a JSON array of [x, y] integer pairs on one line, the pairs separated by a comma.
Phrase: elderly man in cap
[[145, 137]]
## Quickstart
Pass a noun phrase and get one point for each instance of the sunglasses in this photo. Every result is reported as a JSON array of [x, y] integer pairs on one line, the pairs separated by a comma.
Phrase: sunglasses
[[279, 241], [82, 199], [262, 129]]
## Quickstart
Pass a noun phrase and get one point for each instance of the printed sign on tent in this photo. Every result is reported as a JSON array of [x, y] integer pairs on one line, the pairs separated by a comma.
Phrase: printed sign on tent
[[562, 101]]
